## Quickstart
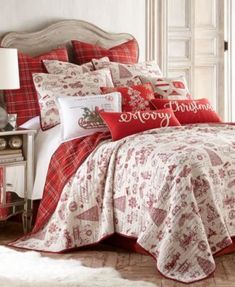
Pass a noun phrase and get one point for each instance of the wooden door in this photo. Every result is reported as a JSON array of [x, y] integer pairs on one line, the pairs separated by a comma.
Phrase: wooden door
[[195, 47]]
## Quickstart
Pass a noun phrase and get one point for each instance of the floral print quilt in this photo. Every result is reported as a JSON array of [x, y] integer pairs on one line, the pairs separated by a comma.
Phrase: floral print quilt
[[172, 188]]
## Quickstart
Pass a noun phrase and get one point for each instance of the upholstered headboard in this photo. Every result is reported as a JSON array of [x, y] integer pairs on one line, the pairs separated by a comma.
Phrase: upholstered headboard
[[60, 34]]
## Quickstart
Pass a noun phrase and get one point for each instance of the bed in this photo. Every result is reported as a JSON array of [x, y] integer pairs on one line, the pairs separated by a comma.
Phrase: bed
[[170, 190]]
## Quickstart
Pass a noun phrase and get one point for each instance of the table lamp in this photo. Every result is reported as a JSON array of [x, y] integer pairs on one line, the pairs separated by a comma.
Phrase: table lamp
[[9, 77]]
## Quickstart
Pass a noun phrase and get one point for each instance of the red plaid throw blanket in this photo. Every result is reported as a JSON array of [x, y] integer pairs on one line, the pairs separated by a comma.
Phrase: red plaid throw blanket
[[64, 163]]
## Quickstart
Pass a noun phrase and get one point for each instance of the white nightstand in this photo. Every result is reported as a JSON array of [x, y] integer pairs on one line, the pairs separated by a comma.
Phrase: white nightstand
[[16, 179]]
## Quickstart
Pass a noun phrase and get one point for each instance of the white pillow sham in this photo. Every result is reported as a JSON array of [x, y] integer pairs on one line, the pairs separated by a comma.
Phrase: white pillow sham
[[65, 68], [32, 124], [49, 87], [79, 115], [69, 69], [127, 74]]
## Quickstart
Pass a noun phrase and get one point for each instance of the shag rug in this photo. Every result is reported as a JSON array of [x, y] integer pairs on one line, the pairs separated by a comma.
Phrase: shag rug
[[24, 269]]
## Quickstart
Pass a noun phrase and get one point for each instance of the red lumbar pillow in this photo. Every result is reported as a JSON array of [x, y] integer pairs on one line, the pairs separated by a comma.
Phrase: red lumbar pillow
[[189, 111], [134, 98], [126, 53], [24, 101], [128, 123]]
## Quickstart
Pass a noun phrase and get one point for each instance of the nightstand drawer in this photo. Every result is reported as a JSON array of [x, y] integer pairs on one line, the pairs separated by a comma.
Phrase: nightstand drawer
[[12, 189], [15, 179]]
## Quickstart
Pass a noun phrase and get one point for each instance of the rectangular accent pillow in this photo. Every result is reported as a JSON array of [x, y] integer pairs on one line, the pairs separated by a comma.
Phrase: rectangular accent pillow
[[49, 87], [124, 53], [134, 98], [24, 101], [128, 75], [189, 111], [124, 124], [65, 68], [80, 115], [169, 88]]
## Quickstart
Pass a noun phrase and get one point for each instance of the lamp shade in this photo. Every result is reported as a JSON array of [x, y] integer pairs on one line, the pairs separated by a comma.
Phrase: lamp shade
[[9, 69]]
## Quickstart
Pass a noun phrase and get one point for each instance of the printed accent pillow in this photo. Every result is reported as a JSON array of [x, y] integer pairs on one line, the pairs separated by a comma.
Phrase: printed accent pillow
[[128, 75], [134, 98], [80, 115], [64, 68], [24, 101], [124, 124], [49, 87], [126, 53], [189, 111], [169, 88]]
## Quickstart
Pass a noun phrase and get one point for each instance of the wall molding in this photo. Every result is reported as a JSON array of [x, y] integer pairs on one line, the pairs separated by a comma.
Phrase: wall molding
[[156, 32]]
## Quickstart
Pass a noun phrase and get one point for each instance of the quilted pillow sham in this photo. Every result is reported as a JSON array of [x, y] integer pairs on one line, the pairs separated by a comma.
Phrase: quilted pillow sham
[[80, 115], [24, 101], [66, 68], [169, 88], [128, 75], [134, 98], [124, 124], [49, 87], [124, 53], [189, 111]]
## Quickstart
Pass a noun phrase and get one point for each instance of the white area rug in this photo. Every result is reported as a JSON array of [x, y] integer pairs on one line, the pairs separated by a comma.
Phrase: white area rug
[[24, 269]]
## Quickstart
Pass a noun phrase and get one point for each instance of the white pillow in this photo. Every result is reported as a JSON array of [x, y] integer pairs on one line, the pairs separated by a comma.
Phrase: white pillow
[[65, 68], [49, 87], [68, 69], [79, 115], [32, 124], [128, 74]]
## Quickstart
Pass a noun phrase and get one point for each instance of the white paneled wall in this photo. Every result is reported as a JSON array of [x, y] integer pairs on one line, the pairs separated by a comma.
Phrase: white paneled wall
[[184, 36], [195, 47]]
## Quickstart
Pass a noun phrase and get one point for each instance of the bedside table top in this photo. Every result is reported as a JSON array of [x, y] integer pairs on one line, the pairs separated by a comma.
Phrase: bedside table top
[[17, 131]]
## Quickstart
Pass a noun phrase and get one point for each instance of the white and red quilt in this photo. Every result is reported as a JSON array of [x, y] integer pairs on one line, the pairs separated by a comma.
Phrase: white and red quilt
[[173, 189]]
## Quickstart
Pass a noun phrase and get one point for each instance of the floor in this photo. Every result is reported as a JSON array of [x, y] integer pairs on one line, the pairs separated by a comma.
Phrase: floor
[[131, 265]]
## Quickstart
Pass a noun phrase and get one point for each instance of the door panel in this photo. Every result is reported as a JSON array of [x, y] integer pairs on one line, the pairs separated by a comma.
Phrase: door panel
[[195, 47]]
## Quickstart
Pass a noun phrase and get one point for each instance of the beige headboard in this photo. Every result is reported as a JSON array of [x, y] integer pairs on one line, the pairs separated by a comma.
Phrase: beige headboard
[[59, 34]]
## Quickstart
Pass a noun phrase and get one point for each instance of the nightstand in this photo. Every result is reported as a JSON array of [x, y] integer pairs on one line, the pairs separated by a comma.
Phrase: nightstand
[[17, 176]]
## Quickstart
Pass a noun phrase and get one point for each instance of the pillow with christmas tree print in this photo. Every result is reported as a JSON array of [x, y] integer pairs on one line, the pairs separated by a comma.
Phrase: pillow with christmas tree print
[[80, 115], [128, 74], [134, 98]]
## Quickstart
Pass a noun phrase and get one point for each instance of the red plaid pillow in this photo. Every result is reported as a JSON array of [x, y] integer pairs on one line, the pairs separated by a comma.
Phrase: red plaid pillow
[[126, 53], [24, 101], [124, 124], [134, 98], [189, 111]]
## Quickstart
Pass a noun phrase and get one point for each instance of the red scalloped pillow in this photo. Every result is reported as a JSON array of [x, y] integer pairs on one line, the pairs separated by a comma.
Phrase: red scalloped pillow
[[134, 98], [24, 101], [126, 53], [124, 124], [189, 111]]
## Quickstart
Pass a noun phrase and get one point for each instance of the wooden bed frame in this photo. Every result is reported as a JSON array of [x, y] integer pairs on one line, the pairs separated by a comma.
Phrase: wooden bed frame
[[60, 34]]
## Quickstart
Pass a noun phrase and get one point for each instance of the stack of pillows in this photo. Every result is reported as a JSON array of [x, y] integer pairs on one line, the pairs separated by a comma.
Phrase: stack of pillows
[[105, 88]]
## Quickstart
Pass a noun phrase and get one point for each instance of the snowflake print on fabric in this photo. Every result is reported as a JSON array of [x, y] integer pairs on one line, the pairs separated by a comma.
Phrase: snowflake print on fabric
[[134, 98]]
